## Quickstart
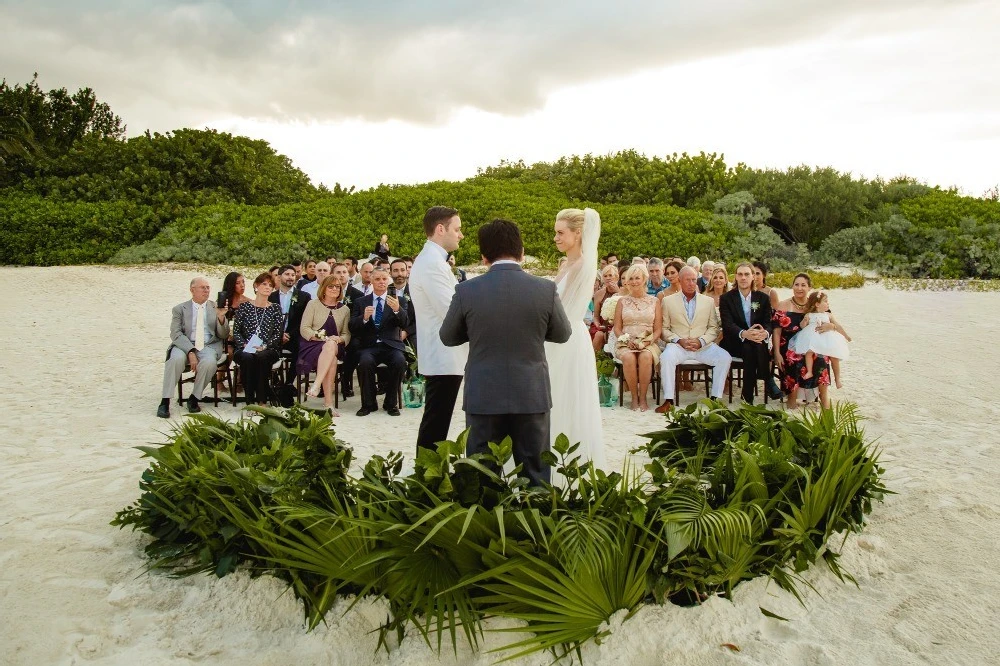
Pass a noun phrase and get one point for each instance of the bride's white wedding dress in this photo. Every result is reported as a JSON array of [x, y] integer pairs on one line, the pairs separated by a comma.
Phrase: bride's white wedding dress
[[576, 407]]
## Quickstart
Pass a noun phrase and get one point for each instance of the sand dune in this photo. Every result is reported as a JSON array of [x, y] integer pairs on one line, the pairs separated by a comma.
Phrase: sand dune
[[82, 373]]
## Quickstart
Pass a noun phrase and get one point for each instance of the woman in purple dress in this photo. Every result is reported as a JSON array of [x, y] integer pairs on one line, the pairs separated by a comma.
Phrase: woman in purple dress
[[324, 337], [788, 321]]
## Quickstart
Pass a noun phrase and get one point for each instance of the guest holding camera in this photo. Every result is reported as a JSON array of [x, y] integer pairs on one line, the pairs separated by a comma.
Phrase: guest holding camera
[[257, 329]]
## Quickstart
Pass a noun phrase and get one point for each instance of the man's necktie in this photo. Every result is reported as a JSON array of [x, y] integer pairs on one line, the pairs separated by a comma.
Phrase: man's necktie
[[199, 327], [378, 312]]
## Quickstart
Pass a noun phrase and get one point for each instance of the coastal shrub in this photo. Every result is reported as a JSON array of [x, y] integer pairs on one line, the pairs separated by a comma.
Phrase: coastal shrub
[[726, 496], [820, 279], [38, 231], [350, 225]]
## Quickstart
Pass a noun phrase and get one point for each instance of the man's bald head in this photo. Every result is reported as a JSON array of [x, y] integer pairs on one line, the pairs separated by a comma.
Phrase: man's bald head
[[689, 281]]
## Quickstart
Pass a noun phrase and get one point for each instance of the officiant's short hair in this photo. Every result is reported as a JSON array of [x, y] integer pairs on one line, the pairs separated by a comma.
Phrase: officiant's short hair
[[500, 238]]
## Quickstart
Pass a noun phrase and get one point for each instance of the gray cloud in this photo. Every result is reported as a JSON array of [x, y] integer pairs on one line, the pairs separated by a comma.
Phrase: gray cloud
[[162, 65]]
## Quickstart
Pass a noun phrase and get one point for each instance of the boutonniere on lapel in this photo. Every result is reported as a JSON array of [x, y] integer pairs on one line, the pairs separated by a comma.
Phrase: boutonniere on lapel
[[754, 306], [295, 297]]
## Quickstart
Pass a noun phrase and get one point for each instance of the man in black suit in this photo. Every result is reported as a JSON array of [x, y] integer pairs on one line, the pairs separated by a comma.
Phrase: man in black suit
[[746, 328], [399, 273], [506, 316], [351, 296], [377, 320]]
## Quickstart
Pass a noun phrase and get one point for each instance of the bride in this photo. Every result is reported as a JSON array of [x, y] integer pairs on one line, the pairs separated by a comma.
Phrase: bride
[[576, 409]]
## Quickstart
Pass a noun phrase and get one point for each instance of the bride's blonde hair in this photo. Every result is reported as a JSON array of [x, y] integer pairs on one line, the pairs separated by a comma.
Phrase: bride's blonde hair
[[573, 217]]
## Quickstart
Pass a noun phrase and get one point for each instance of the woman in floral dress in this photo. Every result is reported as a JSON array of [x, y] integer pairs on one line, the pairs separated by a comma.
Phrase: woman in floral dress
[[788, 321]]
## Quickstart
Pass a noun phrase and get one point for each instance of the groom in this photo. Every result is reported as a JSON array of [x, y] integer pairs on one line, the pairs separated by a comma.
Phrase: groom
[[506, 316]]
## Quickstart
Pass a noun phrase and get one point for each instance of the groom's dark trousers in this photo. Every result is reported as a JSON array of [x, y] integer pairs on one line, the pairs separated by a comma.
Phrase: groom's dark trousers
[[506, 316], [441, 394]]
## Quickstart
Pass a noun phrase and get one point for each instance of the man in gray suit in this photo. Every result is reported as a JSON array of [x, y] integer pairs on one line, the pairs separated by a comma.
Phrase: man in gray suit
[[506, 316], [197, 332]]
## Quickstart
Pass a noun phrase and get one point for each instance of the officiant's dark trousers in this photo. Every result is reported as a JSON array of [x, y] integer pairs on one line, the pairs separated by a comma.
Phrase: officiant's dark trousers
[[441, 392], [529, 434]]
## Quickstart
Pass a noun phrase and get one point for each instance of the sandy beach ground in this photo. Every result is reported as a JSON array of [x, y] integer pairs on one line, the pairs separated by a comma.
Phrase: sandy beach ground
[[82, 370]]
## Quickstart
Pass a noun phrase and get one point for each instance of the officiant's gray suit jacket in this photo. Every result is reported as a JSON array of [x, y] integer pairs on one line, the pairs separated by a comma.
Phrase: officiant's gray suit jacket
[[506, 316]]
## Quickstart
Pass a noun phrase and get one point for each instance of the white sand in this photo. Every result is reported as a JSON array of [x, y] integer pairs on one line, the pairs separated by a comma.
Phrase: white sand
[[82, 371]]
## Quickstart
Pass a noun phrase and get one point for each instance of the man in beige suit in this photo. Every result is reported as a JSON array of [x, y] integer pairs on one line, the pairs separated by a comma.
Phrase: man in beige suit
[[690, 328]]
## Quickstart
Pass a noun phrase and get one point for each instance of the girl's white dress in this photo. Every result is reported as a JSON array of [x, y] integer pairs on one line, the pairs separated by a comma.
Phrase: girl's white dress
[[576, 406], [830, 343]]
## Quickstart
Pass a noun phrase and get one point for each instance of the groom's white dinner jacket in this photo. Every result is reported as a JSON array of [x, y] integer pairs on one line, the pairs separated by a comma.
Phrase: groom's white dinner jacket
[[432, 286]]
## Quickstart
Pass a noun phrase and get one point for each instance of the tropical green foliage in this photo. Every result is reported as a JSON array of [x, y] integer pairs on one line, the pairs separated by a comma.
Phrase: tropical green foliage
[[351, 225], [820, 279], [726, 496], [627, 177], [938, 235], [207, 196], [43, 232], [51, 122]]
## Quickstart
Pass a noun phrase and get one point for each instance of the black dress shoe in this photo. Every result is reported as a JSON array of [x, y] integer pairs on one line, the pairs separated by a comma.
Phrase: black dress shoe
[[773, 391], [163, 411], [364, 412], [392, 411], [192, 405], [347, 393]]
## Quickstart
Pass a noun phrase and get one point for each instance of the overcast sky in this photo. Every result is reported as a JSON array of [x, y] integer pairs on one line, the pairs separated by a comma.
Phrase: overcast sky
[[404, 92]]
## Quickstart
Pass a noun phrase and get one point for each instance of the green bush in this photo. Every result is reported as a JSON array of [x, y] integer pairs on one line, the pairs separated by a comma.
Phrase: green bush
[[727, 496], [820, 279], [41, 232], [229, 233]]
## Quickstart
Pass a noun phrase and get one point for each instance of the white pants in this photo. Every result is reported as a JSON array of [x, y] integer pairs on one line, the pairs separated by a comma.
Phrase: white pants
[[208, 359], [713, 355]]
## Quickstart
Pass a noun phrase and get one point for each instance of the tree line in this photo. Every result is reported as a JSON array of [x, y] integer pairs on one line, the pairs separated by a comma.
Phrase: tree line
[[75, 189]]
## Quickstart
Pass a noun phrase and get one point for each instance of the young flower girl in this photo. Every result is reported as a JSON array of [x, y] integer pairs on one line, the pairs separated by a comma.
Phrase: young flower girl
[[809, 341]]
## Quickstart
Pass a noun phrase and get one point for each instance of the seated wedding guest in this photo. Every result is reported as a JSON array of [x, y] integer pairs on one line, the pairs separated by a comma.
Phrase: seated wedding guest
[[638, 323], [322, 270], [695, 263], [706, 275], [283, 297], [297, 265], [746, 328], [656, 282], [718, 285], [409, 266], [398, 273], [310, 275], [791, 366], [622, 266], [257, 336], [382, 248], [350, 297], [352, 270], [612, 259], [459, 273], [690, 329], [365, 285], [602, 263], [609, 287], [377, 320], [671, 271], [324, 336], [760, 270], [273, 270], [231, 297], [197, 332], [638, 260]]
